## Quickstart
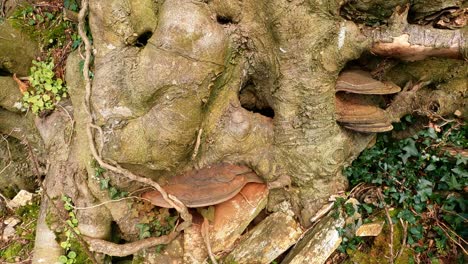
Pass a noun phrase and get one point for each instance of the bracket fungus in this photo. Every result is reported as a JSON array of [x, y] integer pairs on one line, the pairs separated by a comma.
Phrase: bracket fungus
[[206, 186], [355, 108], [361, 82]]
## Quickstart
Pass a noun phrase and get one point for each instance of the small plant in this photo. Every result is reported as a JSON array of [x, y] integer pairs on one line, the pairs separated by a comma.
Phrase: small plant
[[46, 90], [44, 23], [157, 227], [72, 228], [71, 5], [423, 178], [104, 184], [18, 248]]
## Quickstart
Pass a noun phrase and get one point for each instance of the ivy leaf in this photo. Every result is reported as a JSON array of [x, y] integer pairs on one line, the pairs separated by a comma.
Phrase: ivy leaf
[[104, 184], [453, 183], [430, 167], [424, 189], [460, 171], [407, 215], [410, 149]]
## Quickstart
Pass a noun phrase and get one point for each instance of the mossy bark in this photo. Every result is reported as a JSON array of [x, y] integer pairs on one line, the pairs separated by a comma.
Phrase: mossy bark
[[168, 77]]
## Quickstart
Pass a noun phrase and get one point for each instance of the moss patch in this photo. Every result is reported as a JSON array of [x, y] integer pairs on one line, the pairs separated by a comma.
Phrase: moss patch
[[19, 247]]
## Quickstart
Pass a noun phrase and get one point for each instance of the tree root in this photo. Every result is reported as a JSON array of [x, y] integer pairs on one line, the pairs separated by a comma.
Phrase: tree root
[[122, 250], [206, 237], [425, 102], [413, 42], [100, 245]]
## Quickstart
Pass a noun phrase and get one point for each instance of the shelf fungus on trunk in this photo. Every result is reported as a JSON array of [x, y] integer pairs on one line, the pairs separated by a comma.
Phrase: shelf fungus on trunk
[[356, 107], [361, 82], [207, 186], [359, 114]]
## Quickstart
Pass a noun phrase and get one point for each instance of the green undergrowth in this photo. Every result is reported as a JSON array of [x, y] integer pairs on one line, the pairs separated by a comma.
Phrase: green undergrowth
[[19, 247], [104, 183], [423, 181], [46, 90], [66, 230], [45, 24]]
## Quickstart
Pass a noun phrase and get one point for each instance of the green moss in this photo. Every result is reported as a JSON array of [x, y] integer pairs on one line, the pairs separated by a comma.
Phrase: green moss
[[11, 252], [138, 260], [48, 28], [81, 256], [379, 250], [23, 244]]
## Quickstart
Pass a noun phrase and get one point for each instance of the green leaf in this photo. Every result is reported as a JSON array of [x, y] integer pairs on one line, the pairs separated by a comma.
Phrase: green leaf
[[460, 171], [113, 193], [62, 259], [424, 189], [40, 103], [454, 184], [71, 254], [64, 244], [430, 167], [407, 215], [410, 149]]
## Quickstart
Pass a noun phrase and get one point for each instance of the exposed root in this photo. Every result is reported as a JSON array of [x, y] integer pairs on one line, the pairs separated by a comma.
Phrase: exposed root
[[206, 237], [122, 250], [61, 216], [100, 245], [413, 42], [110, 201]]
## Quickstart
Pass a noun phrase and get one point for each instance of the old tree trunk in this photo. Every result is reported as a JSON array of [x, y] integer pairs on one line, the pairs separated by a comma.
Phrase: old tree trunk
[[183, 85]]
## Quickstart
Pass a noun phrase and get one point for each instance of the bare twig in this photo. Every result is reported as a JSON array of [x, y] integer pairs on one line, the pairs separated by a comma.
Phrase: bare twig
[[6, 200], [444, 228], [404, 225], [72, 126], [390, 223], [246, 199]]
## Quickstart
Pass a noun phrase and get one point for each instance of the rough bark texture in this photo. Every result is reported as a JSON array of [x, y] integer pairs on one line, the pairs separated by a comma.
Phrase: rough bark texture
[[154, 99], [182, 84]]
